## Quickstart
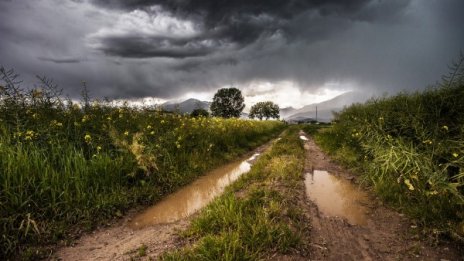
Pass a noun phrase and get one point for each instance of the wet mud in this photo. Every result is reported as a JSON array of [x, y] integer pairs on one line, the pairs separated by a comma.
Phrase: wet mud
[[195, 196], [336, 197], [157, 228], [349, 223]]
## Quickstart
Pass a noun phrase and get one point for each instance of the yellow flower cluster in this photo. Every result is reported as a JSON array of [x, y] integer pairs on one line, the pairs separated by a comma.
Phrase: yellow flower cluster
[[55, 123], [85, 118], [87, 138], [30, 135]]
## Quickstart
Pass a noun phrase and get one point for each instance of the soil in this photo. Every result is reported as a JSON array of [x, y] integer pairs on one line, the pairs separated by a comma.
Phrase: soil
[[387, 234], [121, 241]]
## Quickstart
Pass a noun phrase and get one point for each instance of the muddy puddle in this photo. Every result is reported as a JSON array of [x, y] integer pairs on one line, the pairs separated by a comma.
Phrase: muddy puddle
[[193, 197], [336, 196]]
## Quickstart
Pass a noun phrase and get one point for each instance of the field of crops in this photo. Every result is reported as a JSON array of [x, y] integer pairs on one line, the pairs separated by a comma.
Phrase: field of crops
[[410, 147], [64, 165]]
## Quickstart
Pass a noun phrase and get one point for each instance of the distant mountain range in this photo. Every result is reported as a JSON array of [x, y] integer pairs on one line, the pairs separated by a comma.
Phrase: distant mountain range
[[287, 111], [305, 114], [324, 109], [186, 106]]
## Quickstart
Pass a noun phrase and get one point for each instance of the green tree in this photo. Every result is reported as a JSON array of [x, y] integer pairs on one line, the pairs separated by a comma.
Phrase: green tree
[[227, 103], [199, 112], [265, 109]]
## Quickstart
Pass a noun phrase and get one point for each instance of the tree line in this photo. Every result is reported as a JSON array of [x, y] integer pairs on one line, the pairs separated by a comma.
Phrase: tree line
[[229, 103]]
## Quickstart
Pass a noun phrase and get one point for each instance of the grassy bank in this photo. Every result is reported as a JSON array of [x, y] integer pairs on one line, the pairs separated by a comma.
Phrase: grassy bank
[[65, 166], [410, 147], [258, 216]]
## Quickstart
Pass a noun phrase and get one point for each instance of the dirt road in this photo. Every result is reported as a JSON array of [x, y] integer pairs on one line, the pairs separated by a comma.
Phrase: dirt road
[[385, 234], [127, 239]]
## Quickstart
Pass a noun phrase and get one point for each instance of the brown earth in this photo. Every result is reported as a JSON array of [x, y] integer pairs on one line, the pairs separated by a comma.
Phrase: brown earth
[[387, 234], [121, 241]]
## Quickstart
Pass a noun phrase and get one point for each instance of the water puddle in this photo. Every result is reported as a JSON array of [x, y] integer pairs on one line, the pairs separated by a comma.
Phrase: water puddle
[[193, 197], [336, 196]]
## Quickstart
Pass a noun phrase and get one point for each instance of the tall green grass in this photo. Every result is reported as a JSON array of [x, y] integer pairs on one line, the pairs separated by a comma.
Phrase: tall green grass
[[258, 215], [410, 147], [64, 166]]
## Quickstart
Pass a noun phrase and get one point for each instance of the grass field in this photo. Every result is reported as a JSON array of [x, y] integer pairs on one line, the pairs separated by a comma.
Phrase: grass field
[[410, 148], [66, 167], [258, 216]]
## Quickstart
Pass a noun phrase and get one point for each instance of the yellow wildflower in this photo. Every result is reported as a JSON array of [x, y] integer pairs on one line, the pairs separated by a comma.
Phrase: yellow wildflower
[[126, 133], [87, 138], [29, 135], [85, 118], [408, 183], [56, 123], [455, 155]]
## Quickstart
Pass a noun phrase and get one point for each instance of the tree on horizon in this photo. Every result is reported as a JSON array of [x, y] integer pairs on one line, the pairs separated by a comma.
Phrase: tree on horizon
[[227, 103], [265, 110]]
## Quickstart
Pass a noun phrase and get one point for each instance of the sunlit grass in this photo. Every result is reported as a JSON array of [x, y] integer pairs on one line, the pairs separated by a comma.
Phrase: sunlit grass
[[410, 147], [257, 216], [65, 166]]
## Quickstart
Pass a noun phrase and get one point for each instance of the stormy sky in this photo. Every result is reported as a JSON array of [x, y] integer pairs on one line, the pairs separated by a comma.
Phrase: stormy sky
[[293, 52]]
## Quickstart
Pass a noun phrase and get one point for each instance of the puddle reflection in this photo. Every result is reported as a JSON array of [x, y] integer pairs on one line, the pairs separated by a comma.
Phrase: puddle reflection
[[193, 197], [336, 196]]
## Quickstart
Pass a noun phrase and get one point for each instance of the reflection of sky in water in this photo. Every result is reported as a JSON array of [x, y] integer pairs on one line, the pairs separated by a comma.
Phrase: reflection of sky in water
[[336, 197], [193, 197]]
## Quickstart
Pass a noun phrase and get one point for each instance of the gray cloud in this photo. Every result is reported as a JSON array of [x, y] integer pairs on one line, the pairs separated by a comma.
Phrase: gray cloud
[[59, 60], [146, 47], [167, 48], [239, 23]]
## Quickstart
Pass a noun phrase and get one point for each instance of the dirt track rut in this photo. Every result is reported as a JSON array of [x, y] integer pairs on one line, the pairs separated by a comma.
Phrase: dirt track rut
[[388, 235]]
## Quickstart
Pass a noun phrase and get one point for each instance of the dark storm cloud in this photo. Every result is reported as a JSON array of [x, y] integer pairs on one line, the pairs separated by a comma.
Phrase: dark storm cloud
[[146, 46], [234, 22], [135, 48]]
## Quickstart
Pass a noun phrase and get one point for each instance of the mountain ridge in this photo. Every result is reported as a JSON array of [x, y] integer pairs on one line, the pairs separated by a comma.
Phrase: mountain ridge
[[307, 113]]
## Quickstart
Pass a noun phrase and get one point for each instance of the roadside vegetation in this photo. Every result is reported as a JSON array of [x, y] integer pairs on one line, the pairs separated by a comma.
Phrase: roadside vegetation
[[65, 167], [410, 148], [258, 216]]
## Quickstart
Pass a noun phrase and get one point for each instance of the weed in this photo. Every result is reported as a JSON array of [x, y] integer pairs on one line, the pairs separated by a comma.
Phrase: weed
[[263, 221], [410, 147], [66, 165]]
